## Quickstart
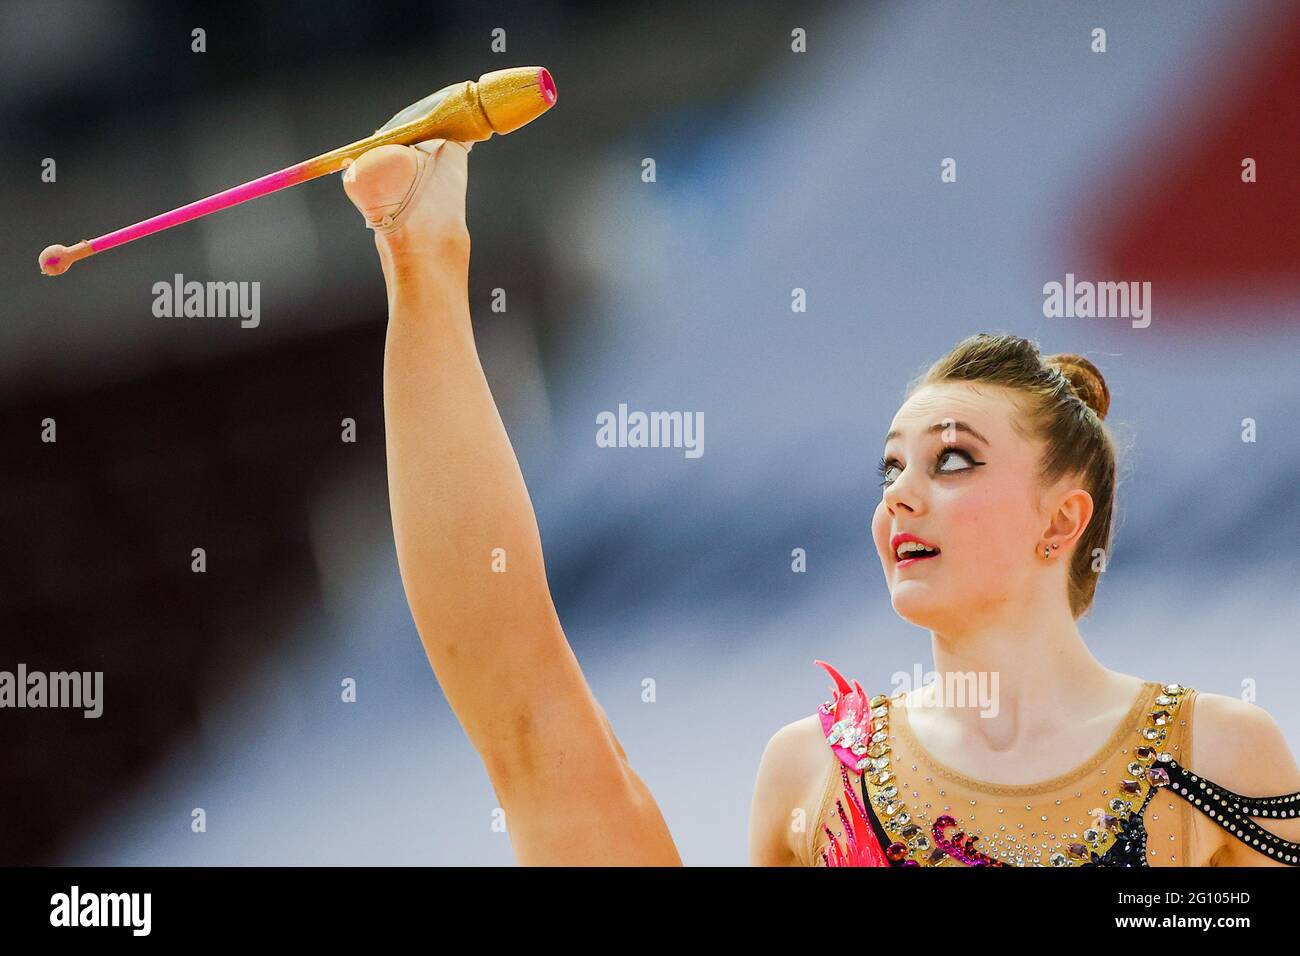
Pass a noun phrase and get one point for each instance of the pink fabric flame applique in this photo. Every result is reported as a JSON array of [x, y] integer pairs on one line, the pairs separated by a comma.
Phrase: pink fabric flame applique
[[846, 721]]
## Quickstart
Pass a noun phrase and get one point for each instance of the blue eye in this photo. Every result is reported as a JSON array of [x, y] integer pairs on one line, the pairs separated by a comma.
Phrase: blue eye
[[886, 465], [970, 462], [883, 468]]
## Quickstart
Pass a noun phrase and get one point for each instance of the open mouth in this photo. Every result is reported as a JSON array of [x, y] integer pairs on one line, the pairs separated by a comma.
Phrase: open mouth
[[914, 557], [909, 549]]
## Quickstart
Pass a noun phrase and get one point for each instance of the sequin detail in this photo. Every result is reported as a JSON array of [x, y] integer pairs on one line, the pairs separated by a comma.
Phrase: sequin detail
[[857, 727]]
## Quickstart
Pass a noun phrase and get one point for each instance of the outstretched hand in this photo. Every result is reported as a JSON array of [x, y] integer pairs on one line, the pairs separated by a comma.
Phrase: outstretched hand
[[413, 196]]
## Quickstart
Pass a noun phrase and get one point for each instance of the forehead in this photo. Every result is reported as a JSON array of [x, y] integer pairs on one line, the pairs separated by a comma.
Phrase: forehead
[[987, 409]]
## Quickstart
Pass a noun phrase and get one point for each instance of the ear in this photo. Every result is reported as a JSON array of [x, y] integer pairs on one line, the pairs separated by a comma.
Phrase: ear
[[1069, 511]]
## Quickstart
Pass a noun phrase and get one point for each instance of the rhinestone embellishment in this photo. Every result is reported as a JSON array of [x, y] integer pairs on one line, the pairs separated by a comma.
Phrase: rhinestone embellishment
[[1115, 826]]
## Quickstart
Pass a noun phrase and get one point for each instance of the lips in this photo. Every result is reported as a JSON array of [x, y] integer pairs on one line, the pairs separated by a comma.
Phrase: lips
[[912, 556]]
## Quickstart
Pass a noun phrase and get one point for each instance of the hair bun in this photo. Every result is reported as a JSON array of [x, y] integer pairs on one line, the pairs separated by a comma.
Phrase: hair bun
[[1086, 380]]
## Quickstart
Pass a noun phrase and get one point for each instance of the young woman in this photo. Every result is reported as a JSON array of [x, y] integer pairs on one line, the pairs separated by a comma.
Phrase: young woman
[[994, 521]]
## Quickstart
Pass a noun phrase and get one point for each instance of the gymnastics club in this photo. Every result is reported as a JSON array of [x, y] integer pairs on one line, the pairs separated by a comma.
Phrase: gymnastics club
[[500, 102]]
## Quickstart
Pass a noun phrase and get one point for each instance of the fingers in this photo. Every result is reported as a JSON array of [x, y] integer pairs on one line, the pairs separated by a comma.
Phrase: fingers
[[388, 182], [379, 180], [449, 156], [431, 145], [450, 159]]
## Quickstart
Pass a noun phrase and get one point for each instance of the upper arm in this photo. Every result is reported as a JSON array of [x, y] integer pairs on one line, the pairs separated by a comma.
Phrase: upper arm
[[1239, 746], [790, 774], [569, 794]]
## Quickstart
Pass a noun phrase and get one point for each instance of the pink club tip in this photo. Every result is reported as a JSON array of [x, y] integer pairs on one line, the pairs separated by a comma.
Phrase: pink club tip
[[547, 85]]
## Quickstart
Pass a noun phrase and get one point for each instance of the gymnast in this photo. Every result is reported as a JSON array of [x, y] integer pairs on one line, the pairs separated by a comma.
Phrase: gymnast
[[994, 521]]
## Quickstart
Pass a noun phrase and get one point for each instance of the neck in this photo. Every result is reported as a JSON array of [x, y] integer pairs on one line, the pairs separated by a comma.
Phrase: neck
[[1028, 666]]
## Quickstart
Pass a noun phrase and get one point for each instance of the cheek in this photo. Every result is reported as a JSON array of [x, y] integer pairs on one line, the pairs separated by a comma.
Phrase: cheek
[[988, 521], [880, 528]]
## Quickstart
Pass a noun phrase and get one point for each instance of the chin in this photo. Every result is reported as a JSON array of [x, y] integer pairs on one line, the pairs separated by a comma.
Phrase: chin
[[916, 603]]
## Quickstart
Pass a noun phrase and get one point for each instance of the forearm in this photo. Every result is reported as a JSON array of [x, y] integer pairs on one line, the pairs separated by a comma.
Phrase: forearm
[[457, 493], [468, 547]]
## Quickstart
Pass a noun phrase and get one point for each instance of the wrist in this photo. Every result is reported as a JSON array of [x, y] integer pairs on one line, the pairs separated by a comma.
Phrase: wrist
[[442, 256]]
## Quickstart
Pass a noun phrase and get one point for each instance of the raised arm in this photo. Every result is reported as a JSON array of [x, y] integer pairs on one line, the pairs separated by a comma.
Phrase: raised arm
[[459, 508]]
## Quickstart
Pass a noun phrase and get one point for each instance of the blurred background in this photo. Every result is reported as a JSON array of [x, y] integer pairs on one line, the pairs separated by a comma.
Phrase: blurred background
[[775, 170]]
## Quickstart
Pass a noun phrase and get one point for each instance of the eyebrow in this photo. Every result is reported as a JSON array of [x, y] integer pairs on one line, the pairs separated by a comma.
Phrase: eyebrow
[[940, 426]]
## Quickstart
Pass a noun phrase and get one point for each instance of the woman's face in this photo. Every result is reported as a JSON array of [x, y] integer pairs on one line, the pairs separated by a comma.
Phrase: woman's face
[[959, 477]]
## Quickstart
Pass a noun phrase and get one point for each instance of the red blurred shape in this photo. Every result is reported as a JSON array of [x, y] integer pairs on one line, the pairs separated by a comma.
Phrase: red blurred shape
[[1185, 220]]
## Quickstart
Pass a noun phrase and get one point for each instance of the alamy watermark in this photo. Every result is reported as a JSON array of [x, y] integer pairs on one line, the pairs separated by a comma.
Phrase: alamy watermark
[[1100, 300], [208, 300], [75, 908], [651, 430], [978, 689], [76, 689]]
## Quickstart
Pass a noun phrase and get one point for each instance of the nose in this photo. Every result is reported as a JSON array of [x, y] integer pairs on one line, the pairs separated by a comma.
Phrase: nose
[[901, 495]]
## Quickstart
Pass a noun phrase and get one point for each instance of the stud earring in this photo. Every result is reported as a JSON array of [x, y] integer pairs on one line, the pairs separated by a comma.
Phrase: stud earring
[[1046, 553]]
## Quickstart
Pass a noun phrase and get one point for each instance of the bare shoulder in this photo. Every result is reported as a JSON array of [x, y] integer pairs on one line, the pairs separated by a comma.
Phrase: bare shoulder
[[1239, 745], [1234, 739], [800, 746], [791, 776]]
